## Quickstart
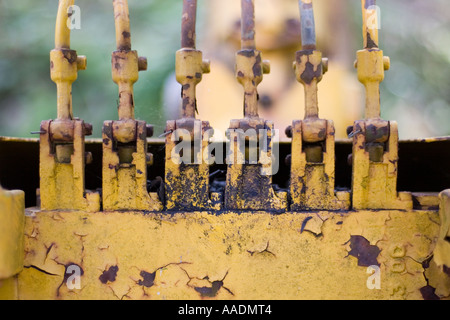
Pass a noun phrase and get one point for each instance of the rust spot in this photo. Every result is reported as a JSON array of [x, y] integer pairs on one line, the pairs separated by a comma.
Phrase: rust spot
[[240, 74], [257, 69], [186, 86], [131, 100], [428, 293], [70, 55], [247, 53], [309, 74], [106, 141], [370, 43], [148, 279], [126, 34], [198, 75], [188, 24], [361, 249], [210, 292], [109, 275], [446, 270]]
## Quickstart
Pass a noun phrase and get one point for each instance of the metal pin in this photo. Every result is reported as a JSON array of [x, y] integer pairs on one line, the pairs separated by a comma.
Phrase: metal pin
[[165, 133], [353, 133]]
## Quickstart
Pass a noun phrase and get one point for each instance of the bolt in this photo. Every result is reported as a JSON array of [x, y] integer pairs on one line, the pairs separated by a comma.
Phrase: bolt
[[149, 159], [88, 157], [325, 65], [266, 66], [81, 62], [206, 66], [87, 129], [288, 160], [349, 130], [142, 64], [386, 63], [149, 129], [288, 132], [350, 159]]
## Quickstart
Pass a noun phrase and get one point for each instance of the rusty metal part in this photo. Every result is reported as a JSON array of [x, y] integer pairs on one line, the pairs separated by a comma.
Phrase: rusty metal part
[[188, 22], [125, 157], [62, 156], [307, 25], [312, 179], [196, 255], [248, 25], [187, 177], [375, 141], [370, 27], [249, 182]]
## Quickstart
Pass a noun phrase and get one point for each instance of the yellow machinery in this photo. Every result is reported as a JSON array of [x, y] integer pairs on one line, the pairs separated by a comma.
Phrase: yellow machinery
[[198, 222]]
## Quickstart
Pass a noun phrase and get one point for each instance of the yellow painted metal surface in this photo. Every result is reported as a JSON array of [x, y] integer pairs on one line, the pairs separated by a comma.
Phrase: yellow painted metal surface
[[187, 182], [251, 255], [375, 141], [62, 150], [308, 241], [12, 207], [12, 250], [312, 183], [125, 157]]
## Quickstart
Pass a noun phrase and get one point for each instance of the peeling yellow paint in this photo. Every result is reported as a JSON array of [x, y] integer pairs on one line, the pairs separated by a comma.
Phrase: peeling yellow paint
[[227, 256]]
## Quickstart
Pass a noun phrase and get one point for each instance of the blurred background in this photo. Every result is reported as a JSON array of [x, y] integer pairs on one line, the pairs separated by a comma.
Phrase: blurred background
[[414, 34]]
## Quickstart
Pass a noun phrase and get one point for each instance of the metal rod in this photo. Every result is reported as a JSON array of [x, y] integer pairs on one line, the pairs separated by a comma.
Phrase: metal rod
[[248, 25], [308, 25], [188, 24], [62, 32], [122, 23], [370, 23]]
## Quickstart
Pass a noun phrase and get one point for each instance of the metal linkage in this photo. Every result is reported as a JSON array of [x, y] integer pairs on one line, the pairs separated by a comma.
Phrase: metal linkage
[[62, 148], [375, 141], [125, 157], [313, 159], [249, 181], [187, 174]]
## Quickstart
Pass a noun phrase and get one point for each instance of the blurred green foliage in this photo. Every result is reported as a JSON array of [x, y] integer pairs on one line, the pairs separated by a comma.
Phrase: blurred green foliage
[[415, 34], [27, 94]]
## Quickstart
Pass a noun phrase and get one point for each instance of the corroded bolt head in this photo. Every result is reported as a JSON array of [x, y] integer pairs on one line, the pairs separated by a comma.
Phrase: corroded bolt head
[[149, 159], [266, 66], [349, 130], [150, 130], [288, 132], [88, 157], [87, 129], [142, 64], [386, 63], [81, 62], [206, 66], [325, 65]]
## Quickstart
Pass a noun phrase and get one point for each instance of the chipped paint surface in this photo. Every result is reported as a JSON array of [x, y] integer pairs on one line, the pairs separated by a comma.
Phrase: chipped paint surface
[[12, 207], [323, 255]]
